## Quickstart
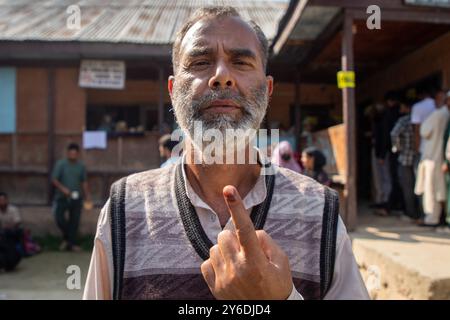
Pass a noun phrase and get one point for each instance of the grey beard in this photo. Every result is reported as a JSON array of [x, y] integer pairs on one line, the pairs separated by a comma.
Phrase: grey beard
[[189, 110]]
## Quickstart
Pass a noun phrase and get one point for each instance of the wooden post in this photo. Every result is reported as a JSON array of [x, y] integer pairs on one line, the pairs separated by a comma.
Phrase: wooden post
[[119, 152], [348, 105], [297, 113], [14, 150], [50, 132], [161, 99]]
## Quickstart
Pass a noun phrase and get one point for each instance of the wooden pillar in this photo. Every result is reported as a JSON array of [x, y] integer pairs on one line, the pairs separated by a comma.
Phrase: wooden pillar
[[297, 113], [119, 152], [14, 150], [161, 99], [348, 105], [50, 132]]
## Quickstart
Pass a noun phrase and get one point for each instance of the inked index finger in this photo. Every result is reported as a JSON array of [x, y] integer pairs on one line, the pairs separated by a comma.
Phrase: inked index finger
[[245, 230]]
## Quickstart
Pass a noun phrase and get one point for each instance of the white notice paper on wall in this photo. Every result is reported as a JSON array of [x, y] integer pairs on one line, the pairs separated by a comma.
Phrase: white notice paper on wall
[[94, 139]]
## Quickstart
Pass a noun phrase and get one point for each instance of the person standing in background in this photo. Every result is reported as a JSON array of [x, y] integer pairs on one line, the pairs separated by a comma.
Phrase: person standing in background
[[430, 183], [392, 114], [446, 165], [380, 160], [402, 136], [69, 178], [419, 113]]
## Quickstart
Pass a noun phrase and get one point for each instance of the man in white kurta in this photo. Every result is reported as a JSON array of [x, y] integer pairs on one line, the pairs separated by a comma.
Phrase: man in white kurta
[[430, 182]]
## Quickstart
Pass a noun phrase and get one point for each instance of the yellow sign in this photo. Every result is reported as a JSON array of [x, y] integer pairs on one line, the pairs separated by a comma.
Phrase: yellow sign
[[346, 79]]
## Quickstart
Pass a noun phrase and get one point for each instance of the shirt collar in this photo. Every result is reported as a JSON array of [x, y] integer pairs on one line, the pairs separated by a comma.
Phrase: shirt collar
[[256, 195]]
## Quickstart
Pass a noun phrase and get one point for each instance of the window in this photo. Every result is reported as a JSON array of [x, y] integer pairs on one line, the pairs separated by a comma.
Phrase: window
[[7, 100], [126, 119], [116, 120]]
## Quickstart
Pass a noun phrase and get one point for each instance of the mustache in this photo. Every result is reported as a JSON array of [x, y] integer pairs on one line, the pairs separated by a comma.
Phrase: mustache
[[246, 103], [205, 100]]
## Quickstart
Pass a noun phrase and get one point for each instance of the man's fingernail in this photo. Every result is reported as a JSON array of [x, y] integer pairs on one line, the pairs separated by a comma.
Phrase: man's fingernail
[[229, 194]]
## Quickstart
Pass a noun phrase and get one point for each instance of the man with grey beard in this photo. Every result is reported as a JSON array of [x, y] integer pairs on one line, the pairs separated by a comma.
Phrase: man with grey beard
[[221, 230]]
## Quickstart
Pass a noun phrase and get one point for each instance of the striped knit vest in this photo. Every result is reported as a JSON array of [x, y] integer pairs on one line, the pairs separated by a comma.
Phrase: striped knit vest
[[156, 256]]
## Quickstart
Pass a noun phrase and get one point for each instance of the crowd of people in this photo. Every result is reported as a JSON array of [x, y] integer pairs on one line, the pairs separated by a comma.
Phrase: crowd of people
[[411, 156]]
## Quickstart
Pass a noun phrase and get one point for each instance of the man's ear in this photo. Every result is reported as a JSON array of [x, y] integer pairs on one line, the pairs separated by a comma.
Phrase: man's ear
[[269, 81], [170, 84]]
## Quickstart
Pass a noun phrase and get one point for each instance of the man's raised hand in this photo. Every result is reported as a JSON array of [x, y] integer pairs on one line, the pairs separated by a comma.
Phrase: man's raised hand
[[246, 264]]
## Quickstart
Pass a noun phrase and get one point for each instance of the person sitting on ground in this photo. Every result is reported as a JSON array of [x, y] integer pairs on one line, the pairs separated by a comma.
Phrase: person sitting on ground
[[313, 161], [12, 229]]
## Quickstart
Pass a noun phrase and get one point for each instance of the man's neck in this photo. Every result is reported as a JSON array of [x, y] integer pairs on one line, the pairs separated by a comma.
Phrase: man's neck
[[208, 181]]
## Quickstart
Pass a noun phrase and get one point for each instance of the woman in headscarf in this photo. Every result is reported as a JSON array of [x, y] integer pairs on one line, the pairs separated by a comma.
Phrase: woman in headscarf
[[313, 161], [283, 156]]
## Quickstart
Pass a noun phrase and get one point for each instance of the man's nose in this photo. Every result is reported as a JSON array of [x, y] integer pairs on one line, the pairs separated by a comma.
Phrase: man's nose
[[222, 79]]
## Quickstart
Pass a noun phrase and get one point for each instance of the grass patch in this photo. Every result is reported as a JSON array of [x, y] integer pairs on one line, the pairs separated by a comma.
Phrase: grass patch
[[51, 243]]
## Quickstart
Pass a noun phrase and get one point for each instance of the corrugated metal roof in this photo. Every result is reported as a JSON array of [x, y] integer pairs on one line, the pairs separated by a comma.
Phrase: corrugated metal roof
[[313, 21], [120, 21]]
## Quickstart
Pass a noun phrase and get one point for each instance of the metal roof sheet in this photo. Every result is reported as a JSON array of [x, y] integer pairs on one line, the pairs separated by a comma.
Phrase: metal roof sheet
[[120, 21]]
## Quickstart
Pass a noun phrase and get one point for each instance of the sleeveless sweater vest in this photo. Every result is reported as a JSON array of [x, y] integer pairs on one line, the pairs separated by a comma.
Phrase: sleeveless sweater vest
[[160, 261]]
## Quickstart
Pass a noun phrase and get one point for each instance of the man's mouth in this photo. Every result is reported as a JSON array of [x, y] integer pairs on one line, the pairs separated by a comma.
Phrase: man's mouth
[[223, 106]]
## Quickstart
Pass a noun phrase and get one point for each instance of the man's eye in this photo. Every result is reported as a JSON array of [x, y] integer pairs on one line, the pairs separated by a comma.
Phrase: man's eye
[[241, 63], [200, 63]]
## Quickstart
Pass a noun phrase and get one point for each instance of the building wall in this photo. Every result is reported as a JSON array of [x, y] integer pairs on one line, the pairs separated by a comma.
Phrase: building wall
[[310, 94], [70, 102], [32, 116], [434, 57], [136, 92], [32, 100]]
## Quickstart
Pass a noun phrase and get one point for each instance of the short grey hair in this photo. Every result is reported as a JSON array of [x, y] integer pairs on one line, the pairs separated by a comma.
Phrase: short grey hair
[[217, 12]]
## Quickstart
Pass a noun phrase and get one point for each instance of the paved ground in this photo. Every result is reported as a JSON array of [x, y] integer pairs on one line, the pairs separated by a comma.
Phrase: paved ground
[[44, 277], [401, 261]]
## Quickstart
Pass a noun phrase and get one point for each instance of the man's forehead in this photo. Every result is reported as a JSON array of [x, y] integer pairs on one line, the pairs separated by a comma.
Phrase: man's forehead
[[232, 31]]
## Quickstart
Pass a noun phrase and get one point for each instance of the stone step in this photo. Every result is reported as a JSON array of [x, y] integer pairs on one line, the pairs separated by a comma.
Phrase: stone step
[[403, 262]]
